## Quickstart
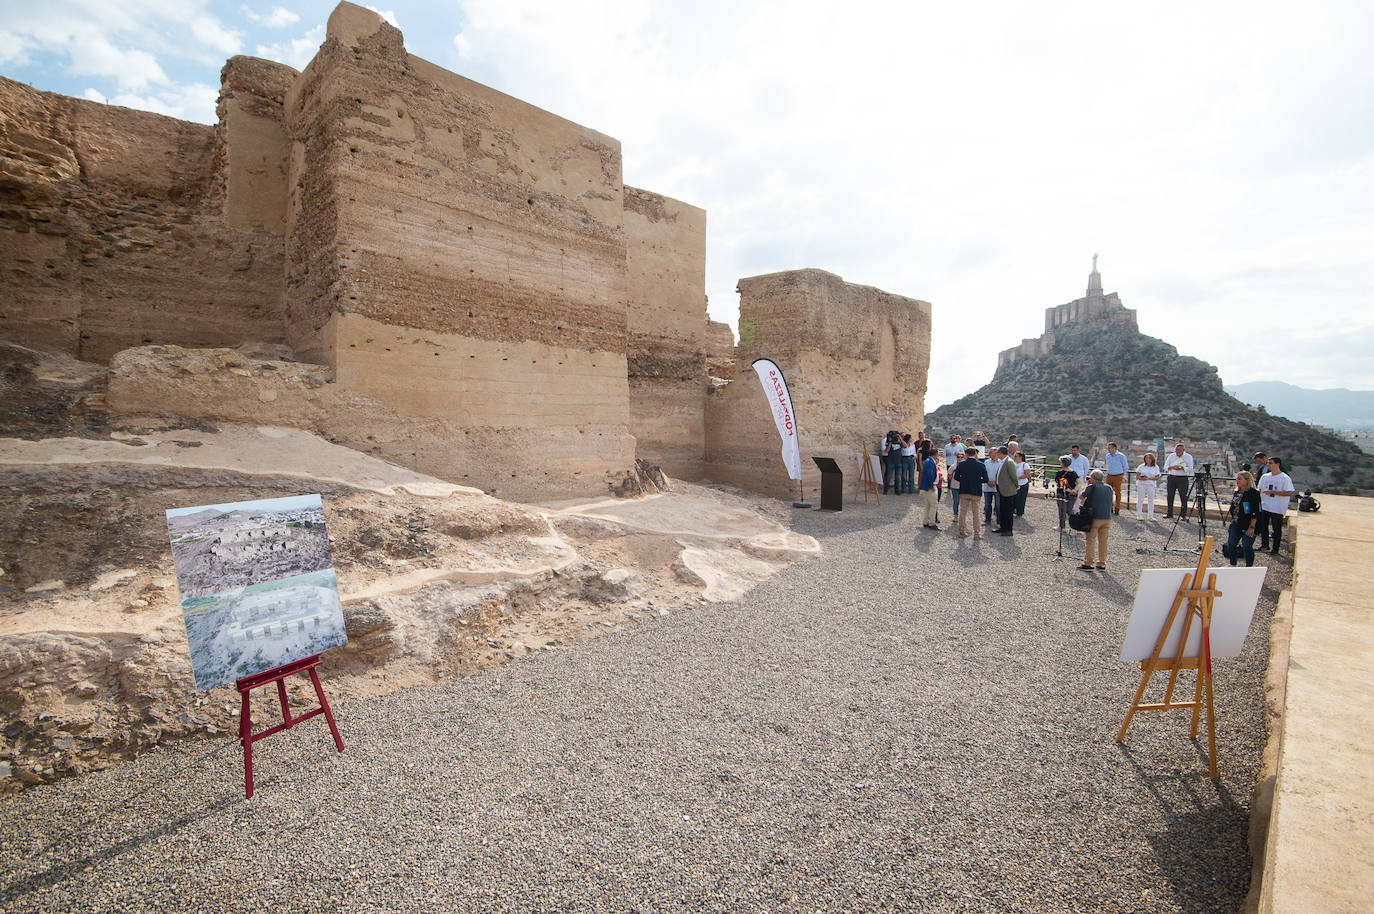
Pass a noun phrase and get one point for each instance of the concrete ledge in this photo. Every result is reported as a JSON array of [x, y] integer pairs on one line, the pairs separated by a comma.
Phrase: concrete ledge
[[1319, 854]]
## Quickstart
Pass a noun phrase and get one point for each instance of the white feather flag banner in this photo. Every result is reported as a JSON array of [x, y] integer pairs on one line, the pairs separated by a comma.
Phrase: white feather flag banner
[[775, 387]]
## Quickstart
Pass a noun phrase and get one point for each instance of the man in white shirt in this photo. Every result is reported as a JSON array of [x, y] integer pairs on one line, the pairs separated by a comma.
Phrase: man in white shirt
[[952, 452], [1275, 488], [990, 500], [1178, 471], [1078, 463], [1023, 478]]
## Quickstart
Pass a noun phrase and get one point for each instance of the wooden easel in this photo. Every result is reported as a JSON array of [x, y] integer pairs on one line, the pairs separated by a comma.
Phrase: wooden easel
[[268, 677], [866, 481], [1198, 601]]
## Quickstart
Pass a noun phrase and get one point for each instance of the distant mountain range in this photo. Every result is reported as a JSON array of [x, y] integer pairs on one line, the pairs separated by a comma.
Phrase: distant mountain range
[[1335, 408]]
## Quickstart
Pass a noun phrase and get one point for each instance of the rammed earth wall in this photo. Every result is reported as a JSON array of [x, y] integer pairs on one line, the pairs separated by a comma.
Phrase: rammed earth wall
[[855, 358]]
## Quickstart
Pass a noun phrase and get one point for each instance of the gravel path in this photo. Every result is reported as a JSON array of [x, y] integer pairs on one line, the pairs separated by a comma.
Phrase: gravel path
[[911, 722]]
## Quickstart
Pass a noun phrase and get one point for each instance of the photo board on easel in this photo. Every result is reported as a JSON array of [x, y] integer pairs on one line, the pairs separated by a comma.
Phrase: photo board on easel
[[1231, 613], [1191, 617], [870, 475], [257, 585]]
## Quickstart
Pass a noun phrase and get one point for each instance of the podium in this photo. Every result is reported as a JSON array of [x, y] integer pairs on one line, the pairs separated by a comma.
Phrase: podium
[[832, 484]]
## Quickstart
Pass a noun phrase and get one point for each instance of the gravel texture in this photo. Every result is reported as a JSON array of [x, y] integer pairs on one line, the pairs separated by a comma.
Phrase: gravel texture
[[911, 722]]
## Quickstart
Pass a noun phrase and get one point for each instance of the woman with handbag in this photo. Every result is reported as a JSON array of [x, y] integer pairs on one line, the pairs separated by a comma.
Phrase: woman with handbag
[[1097, 502]]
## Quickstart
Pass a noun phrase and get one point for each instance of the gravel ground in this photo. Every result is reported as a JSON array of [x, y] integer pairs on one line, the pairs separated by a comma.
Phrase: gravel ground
[[910, 722]]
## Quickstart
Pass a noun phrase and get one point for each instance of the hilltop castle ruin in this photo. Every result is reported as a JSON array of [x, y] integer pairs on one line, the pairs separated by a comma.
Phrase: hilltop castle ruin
[[424, 269], [1095, 307]]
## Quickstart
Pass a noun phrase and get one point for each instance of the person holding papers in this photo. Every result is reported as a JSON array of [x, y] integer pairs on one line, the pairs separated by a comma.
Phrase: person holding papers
[[1178, 470], [1276, 488]]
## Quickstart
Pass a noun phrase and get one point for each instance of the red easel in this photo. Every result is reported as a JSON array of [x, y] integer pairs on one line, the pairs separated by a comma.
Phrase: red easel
[[267, 677]]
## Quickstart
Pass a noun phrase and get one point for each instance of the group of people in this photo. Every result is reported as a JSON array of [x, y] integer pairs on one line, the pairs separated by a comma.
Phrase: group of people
[[997, 481]]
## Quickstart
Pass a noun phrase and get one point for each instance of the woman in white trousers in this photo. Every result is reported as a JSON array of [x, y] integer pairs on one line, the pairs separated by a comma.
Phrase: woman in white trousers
[[1146, 481]]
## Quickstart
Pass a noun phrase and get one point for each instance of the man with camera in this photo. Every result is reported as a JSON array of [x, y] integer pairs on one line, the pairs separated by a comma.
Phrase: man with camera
[[892, 461]]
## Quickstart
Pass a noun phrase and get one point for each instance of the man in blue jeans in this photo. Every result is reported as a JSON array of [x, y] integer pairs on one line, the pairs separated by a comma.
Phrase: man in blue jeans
[[892, 457], [908, 465]]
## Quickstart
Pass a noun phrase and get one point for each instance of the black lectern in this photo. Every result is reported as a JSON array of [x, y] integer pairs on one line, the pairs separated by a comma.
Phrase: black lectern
[[832, 484]]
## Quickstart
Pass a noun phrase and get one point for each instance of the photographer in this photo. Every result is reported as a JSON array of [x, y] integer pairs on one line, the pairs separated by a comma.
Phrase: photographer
[[908, 483], [892, 461], [1245, 516], [1065, 488]]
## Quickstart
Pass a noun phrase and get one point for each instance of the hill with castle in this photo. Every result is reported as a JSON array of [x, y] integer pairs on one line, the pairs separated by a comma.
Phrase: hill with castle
[[1093, 377]]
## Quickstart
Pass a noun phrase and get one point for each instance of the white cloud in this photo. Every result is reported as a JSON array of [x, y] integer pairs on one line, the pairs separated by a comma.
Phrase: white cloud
[[279, 17], [13, 49], [187, 102], [93, 55], [296, 52], [886, 145], [95, 96], [211, 32], [388, 15]]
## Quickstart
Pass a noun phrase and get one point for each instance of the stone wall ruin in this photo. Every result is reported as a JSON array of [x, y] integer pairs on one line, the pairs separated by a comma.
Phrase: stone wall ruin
[[421, 268], [856, 361]]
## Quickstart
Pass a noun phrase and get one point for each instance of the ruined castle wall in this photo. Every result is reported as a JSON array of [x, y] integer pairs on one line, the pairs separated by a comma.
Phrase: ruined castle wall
[[856, 361], [255, 150], [112, 233], [459, 256], [720, 350], [666, 329]]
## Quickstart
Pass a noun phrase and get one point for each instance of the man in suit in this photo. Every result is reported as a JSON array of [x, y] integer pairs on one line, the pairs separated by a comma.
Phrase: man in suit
[[1008, 484]]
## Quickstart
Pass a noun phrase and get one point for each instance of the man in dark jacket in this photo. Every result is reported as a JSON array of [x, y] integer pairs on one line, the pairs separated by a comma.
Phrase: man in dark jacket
[[1008, 484], [970, 474]]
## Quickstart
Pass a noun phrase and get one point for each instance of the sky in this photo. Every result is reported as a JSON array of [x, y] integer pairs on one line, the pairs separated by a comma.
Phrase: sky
[[289, 503], [1218, 157]]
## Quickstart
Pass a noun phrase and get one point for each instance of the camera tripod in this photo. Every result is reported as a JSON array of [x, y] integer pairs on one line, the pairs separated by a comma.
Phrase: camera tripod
[[1197, 494], [1061, 498]]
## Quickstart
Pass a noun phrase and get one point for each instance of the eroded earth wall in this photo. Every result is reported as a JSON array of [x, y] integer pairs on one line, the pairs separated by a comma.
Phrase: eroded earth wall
[[113, 232], [459, 256], [856, 361], [666, 330]]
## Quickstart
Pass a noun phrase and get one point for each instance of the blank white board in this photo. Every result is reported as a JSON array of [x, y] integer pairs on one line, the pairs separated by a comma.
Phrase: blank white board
[[1231, 612]]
